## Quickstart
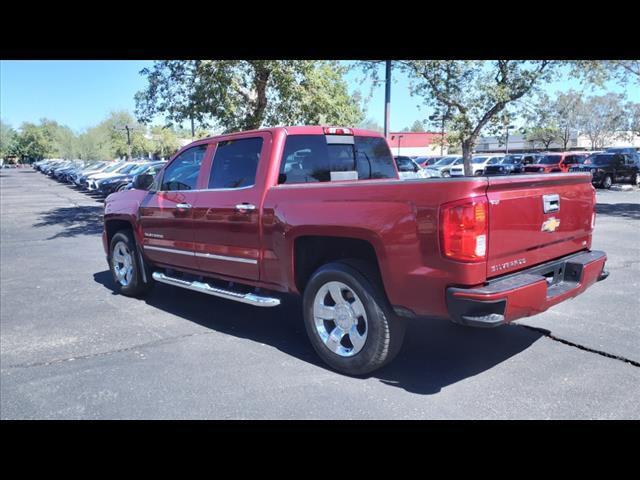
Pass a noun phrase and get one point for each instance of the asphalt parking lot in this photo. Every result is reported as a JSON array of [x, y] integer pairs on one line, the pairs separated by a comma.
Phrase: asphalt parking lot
[[70, 348]]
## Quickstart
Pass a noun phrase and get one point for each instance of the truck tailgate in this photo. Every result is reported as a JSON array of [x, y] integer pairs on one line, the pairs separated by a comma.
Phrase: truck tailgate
[[536, 218]]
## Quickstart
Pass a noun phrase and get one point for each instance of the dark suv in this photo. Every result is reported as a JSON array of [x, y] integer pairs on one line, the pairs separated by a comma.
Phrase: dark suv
[[608, 168]]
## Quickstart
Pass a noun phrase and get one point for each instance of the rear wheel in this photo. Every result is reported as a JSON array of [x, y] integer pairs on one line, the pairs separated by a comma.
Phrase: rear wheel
[[125, 266], [348, 319]]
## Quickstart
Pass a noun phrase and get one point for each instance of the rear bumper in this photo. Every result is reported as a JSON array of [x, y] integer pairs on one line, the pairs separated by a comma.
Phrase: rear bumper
[[526, 293]]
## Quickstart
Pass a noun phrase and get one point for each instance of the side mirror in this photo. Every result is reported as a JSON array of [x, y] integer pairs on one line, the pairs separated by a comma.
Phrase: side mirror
[[142, 181]]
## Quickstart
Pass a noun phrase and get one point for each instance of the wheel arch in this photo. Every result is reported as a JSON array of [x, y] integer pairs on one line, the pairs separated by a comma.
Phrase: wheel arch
[[312, 250]]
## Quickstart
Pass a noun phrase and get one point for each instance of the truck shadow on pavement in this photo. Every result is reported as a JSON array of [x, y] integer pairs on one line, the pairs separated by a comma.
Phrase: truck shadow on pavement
[[81, 220], [625, 210], [435, 354]]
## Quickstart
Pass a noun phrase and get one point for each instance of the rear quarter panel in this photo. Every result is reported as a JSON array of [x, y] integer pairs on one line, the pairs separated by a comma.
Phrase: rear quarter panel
[[398, 218]]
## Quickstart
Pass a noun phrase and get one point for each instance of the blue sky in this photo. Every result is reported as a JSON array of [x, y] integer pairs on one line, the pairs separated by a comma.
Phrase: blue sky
[[82, 93]]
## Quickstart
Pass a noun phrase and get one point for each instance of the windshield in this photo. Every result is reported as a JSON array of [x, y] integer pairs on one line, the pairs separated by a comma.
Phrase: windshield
[[548, 159], [112, 167], [575, 159], [512, 159], [446, 161], [601, 159], [495, 160], [141, 168], [127, 168], [479, 160]]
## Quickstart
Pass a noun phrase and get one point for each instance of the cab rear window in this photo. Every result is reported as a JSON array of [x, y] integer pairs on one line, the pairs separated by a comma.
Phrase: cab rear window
[[309, 159]]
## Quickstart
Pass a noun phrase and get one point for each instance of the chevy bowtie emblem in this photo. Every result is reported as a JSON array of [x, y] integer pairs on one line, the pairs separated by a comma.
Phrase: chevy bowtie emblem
[[550, 225]]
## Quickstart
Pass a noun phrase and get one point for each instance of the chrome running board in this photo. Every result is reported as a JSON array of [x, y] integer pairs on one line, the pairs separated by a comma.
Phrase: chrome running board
[[250, 298]]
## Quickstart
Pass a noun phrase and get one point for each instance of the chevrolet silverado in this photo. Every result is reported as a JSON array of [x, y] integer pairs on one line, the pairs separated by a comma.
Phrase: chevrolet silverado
[[321, 212]]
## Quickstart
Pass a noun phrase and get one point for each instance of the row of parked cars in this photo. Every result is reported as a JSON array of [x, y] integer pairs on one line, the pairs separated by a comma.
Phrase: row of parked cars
[[99, 177], [613, 165]]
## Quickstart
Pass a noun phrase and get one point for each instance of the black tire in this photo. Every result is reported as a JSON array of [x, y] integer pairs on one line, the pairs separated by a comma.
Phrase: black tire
[[121, 187], [607, 181], [385, 330], [136, 287], [446, 174]]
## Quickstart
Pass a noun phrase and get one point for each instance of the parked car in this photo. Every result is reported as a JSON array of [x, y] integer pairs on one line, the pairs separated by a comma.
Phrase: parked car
[[70, 167], [609, 168], [364, 253], [89, 181], [552, 162], [478, 163], [442, 167], [96, 180], [576, 159], [408, 168], [80, 179], [121, 181], [507, 165], [424, 162]]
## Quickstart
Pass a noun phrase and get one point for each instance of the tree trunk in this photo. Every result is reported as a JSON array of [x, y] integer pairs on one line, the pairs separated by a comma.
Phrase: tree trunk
[[467, 148], [260, 105]]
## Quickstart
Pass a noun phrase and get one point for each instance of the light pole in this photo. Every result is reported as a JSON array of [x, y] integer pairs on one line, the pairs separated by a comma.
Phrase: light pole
[[387, 98], [399, 138], [128, 130]]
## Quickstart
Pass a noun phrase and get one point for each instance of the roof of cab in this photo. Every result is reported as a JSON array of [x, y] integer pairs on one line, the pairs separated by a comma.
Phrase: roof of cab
[[299, 130]]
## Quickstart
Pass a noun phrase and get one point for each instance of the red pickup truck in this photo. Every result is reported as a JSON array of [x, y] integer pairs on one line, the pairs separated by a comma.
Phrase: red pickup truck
[[320, 212]]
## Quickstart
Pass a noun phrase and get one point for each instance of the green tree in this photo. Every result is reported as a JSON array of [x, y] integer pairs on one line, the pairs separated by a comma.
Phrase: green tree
[[633, 116], [541, 120], [417, 127], [8, 137], [474, 91], [598, 72], [247, 94], [501, 127], [371, 124], [164, 142], [35, 142], [566, 111], [603, 118]]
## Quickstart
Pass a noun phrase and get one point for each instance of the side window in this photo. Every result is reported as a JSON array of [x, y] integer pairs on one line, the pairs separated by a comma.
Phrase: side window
[[182, 174], [235, 163]]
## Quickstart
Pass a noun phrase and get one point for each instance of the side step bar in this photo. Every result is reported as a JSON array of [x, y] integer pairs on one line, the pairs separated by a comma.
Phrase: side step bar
[[250, 298]]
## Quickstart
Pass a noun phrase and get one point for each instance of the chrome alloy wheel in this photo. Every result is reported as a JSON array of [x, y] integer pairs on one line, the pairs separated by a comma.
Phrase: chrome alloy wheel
[[122, 263], [340, 319]]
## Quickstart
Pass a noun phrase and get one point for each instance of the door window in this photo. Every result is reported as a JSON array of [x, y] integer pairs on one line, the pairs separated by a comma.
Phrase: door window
[[182, 173], [235, 163]]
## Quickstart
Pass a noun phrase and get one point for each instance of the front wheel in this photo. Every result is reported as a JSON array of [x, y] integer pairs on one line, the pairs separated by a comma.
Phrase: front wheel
[[638, 179], [348, 319], [446, 174], [125, 266], [607, 182]]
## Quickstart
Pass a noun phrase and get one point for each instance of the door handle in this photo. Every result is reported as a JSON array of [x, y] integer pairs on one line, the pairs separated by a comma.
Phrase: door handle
[[245, 207], [183, 206]]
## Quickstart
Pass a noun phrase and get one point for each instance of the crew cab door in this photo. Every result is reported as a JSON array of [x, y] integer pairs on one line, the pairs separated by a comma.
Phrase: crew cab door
[[227, 212], [166, 213]]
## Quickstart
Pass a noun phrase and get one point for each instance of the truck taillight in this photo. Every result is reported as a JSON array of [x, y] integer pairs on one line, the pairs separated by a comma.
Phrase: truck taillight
[[337, 131], [464, 230]]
